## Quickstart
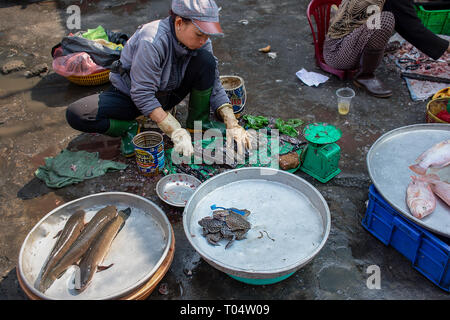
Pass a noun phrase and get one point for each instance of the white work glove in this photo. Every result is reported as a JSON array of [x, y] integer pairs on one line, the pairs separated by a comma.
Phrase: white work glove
[[234, 131], [180, 137], [182, 142]]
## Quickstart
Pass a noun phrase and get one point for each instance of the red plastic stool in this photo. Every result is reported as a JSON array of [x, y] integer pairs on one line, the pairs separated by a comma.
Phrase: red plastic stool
[[320, 9]]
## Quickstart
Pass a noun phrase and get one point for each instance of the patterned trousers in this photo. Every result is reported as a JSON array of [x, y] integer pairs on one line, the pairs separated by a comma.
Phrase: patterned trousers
[[345, 53]]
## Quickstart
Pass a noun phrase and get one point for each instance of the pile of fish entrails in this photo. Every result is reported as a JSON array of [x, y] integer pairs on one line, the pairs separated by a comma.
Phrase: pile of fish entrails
[[225, 224], [84, 245], [423, 189]]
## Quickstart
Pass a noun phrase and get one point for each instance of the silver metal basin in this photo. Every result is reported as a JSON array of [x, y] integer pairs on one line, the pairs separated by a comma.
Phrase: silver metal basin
[[388, 162], [136, 253], [290, 222]]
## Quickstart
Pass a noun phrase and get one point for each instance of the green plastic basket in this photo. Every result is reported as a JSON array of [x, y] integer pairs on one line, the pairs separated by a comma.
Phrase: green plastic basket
[[437, 21]]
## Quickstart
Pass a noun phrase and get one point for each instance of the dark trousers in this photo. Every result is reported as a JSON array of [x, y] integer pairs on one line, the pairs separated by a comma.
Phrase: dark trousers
[[92, 113]]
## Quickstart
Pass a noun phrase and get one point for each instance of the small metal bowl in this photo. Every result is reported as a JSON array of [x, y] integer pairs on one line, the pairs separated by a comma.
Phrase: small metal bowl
[[176, 189]]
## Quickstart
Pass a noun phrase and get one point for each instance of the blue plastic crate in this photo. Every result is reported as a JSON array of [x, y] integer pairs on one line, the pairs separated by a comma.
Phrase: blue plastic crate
[[428, 253]]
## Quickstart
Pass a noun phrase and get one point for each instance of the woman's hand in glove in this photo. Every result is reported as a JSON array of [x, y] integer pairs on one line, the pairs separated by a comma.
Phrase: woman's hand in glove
[[180, 137], [182, 142], [240, 135], [234, 131]]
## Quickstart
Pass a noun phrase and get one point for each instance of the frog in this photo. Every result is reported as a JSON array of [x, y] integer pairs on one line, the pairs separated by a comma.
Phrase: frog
[[233, 220], [225, 224], [211, 229]]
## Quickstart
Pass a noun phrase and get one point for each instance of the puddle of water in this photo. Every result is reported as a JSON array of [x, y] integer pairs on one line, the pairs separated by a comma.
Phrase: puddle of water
[[15, 83]]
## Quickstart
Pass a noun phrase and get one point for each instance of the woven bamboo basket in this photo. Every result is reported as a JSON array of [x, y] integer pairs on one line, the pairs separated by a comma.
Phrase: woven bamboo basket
[[443, 93], [91, 80], [140, 293], [434, 107]]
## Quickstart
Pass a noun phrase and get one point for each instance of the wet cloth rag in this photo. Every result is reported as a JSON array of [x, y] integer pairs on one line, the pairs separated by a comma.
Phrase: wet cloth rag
[[72, 167]]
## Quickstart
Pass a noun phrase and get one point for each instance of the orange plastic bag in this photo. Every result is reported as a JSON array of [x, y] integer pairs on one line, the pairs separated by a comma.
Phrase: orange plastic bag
[[76, 64]]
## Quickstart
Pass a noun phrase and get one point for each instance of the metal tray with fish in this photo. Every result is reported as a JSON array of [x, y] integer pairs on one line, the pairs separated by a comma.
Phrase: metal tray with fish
[[388, 162], [290, 222], [176, 189], [136, 253]]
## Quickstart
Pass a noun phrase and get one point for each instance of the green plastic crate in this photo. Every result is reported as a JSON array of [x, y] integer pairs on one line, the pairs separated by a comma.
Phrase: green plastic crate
[[437, 21]]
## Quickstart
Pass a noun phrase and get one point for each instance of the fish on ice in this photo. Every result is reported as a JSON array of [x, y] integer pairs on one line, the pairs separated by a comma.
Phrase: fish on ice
[[98, 250], [439, 188], [438, 156], [420, 198], [80, 245], [67, 237]]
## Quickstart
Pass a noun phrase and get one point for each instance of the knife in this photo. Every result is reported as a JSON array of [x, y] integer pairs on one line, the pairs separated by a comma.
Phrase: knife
[[424, 77]]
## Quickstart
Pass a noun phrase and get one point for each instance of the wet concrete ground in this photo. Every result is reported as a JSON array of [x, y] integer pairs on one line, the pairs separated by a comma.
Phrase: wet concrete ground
[[33, 126]]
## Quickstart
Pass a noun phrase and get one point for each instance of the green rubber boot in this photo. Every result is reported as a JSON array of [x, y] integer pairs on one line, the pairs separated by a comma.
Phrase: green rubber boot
[[125, 129], [198, 110]]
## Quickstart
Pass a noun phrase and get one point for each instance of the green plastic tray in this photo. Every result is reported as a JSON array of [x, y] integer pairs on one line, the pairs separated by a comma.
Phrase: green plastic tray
[[437, 21]]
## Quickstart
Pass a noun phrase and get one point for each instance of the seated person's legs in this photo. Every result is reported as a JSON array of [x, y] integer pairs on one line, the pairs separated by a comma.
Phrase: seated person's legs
[[198, 81], [111, 113], [82, 115], [362, 49], [199, 76], [372, 56]]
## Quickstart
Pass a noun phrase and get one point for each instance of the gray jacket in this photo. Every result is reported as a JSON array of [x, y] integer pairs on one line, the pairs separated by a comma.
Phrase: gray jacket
[[149, 55]]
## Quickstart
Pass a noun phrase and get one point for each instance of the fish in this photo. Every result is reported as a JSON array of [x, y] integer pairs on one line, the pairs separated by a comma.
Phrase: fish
[[68, 235], [420, 198], [439, 188], [80, 245], [438, 156], [98, 250]]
